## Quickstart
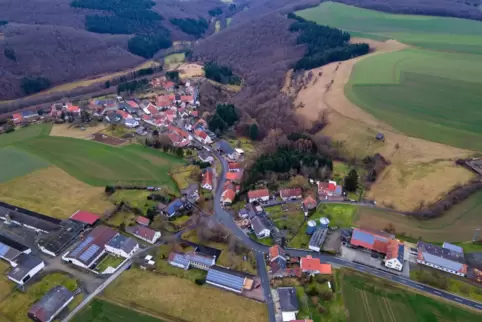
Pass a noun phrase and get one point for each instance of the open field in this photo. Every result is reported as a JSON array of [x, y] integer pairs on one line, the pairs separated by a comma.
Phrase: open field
[[16, 306], [76, 133], [182, 299], [16, 163], [437, 33], [55, 193], [190, 70], [456, 225], [370, 299], [24, 134], [416, 90], [104, 311], [184, 176], [99, 164]]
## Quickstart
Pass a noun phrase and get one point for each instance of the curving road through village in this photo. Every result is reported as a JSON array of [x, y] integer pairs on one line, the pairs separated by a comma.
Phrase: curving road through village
[[260, 250]]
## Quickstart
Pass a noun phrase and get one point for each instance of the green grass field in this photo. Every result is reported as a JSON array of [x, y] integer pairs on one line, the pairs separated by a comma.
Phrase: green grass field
[[18, 163], [370, 299], [94, 163], [103, 311], [438, 33], [430, 91]]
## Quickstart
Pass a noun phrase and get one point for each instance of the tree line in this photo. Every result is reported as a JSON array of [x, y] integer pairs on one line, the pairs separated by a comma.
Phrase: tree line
[[324, 44], [224, 117], [129, 17], [191, 26], [34, 84], [221, 74], [132, 86]]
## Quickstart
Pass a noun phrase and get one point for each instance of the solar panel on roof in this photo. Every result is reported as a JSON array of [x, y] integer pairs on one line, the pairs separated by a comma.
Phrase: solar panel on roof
[[3, 249], [453, 247], [225, 279], [443, 262], [81, 246], [363, 236], [89, 253]]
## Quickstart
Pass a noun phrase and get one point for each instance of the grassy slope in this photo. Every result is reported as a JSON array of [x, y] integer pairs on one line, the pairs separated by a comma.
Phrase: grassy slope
[[98, 164], [18, 163], [103, 311], [370, 299], [422, 92], [456, 225]]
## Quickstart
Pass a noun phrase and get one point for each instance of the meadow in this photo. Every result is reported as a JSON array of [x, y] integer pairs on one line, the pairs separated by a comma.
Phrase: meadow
[[428, 91], [456, 225], [18, 163], [103, 311], [370, 299], [142, 290]]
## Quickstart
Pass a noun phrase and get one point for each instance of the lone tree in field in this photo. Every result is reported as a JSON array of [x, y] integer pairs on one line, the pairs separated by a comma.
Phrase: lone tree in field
[[351, 181]]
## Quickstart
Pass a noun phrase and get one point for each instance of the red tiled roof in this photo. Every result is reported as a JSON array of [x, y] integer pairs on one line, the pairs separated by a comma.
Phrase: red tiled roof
[[163, 100], [85, 217], [201, 134], [195, 113], [208, 178], [142, 220], [174, 138], [286, 193], [17, 117], [392, 249], [146, 117], [274, 251], [253, 194], [152, 109], [124, 114], [144, 232], [169, 84], [73, 108], [228, 194], [309, 202], [309, 263], [331, 186], [234, 176], [187, 98], [371, 239], [234, 165], [133, 104], [179, 131]]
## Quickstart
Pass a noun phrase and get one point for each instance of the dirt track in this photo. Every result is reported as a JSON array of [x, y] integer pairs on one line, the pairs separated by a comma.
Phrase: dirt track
[[356, 129]]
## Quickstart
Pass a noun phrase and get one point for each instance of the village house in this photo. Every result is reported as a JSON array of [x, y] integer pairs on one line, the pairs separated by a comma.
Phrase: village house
[[191, 192], [204, 156], [235, 176], [174, 208], [224, 147], [309, 203], [202, 136], [207, 182], [122, 246], [395, 253], [291, 194], [260, 228], [143, 221], [234, 167], [144, 233], [228, 194], [329, 190], [313, 266], [374, 240], [258, 195], [288, 302]]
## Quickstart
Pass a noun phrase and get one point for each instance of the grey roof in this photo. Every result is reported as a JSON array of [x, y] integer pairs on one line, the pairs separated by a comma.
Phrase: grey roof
[[93, 245], [25, 263], [12, 244], [46, 308], [225, 147], [10, 249], [225, 278], [258, 225], [441, 256], [191, 189], [204, 155], [29, 218], [179, 259], [453, 247], [127, 244], [59, 239], [199, 258], [287, 299], [318, 237]]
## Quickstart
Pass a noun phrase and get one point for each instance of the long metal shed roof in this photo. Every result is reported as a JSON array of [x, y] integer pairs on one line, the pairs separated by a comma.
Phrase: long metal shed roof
[[225, 279]]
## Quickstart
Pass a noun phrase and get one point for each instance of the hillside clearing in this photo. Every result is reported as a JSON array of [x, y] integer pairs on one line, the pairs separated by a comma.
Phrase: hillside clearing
[[53, 192], [206, 303], [456, 225]]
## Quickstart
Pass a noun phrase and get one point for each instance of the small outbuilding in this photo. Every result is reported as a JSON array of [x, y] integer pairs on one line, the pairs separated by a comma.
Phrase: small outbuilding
[[51, 304], [380, 137], [85, 217]]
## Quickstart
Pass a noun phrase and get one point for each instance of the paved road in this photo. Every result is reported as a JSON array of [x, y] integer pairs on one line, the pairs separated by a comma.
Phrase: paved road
[[263, 274], [97, 291], [228, 221]]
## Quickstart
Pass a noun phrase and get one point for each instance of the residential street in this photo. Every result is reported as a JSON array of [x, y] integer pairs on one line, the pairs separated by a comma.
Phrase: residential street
[[228, 221]]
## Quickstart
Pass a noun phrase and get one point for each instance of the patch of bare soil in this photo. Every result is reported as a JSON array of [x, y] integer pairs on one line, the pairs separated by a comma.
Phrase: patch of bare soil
[[356, 129], [76, 133], [107, 139], [190, 70]]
